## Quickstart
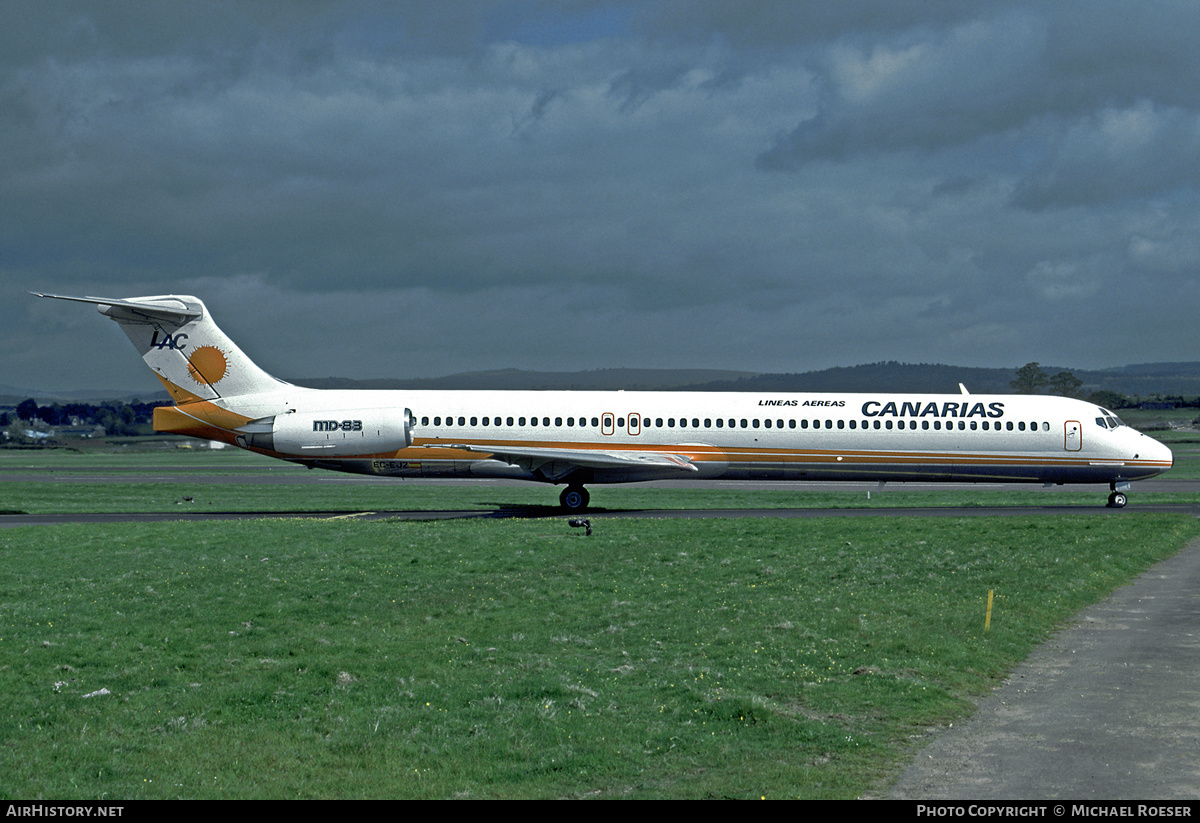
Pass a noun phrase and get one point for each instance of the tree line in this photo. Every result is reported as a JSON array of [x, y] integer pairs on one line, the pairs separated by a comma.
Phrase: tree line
[[117, 419], [1032, 378]]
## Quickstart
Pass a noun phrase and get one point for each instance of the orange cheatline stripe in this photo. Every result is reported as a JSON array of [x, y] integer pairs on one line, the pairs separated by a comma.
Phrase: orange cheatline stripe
[[203, 418]]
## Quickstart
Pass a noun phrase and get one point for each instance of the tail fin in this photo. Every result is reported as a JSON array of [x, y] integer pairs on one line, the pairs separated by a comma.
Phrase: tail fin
[[178, 339]]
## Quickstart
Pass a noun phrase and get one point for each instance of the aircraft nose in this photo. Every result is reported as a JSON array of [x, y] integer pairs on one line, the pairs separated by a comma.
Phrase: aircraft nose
[[1157, 452]]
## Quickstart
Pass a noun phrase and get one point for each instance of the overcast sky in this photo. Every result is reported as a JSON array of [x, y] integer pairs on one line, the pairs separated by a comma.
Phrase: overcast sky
[[377, 189]]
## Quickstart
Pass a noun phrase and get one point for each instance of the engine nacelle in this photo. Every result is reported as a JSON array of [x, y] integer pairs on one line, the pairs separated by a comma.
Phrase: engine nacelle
[[337, 433]]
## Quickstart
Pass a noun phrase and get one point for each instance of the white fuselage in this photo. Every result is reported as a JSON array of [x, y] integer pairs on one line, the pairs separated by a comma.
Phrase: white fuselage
[[751, 435], [577, 438]]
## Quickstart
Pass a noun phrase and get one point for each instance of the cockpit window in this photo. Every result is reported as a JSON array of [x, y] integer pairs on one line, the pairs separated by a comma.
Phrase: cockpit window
[[1100, 422]]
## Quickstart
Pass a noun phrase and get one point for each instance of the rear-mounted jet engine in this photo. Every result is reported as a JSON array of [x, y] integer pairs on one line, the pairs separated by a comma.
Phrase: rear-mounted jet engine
[[330, 433]]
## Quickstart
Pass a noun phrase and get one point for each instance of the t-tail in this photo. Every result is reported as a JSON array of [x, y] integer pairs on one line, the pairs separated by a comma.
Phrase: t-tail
[[198, 364]]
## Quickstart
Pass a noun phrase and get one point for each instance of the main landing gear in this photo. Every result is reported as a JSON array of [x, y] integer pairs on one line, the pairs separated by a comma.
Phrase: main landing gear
[[574, 498]]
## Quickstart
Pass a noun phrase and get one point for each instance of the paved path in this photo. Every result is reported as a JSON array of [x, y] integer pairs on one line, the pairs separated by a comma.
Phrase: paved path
[[1108, 709]]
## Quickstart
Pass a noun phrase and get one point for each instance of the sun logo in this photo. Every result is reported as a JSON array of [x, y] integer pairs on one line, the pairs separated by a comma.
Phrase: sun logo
[[207, 365]]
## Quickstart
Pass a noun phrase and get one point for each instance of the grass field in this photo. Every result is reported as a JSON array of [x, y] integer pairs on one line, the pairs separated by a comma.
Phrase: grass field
[[134, 487], [502, 658]]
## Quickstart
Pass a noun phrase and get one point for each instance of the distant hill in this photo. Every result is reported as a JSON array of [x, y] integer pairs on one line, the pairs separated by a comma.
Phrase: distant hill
[[516, 379], [1148, 378], [1141, 380], [12, 395], [884, 377], [1138, 380]]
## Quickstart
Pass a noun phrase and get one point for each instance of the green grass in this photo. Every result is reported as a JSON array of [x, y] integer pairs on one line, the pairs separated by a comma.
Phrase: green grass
[[519, 658], [46, 498], [513, 658], [129, 490], [1185, 444]]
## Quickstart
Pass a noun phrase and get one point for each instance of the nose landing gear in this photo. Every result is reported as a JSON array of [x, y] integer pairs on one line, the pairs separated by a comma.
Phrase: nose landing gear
[[1117, 499]]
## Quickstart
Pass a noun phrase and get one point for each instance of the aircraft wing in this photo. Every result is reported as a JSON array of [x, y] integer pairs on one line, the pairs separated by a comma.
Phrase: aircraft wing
[[555, 463]]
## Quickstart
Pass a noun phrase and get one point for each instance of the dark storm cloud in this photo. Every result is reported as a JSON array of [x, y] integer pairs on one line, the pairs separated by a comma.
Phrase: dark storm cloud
[[367, 189]]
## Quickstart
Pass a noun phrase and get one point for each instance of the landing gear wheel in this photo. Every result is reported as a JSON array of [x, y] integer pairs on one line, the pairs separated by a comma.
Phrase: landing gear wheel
[[574, 498], [1117, 500]]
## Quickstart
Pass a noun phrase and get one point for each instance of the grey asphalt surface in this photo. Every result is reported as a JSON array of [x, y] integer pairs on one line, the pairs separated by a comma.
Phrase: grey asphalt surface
[[1108, 709]]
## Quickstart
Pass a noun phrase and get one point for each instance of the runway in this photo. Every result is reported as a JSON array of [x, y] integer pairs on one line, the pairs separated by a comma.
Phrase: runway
[[283, 474], [597, 515]]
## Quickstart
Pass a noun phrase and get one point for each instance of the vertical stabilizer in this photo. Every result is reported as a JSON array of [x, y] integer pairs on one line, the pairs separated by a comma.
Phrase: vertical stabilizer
[[178, 339]]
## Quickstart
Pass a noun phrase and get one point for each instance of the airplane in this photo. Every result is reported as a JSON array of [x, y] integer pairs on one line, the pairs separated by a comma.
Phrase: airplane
[[580, 438]]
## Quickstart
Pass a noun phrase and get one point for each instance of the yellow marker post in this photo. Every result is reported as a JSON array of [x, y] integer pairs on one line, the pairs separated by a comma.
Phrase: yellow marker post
[[987, 621]]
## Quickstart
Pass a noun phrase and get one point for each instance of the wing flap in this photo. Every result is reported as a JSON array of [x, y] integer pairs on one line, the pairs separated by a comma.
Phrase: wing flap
[[565, 460]]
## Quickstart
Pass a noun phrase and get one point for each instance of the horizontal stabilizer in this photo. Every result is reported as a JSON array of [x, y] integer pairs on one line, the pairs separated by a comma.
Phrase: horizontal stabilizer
[[172, 308], [178, 340]]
